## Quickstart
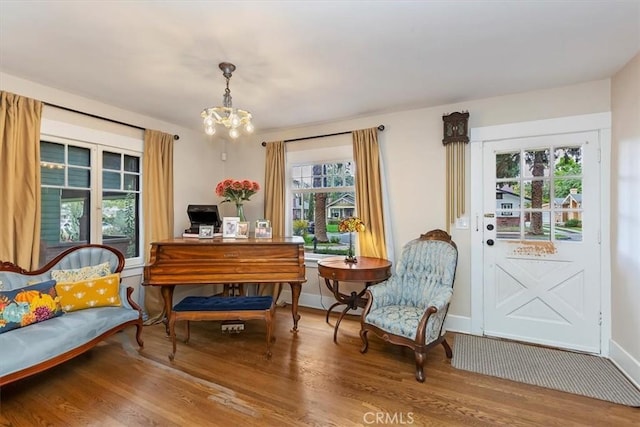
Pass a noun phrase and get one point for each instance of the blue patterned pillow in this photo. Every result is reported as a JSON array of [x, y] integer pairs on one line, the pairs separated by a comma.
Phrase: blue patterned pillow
[[28, 305]]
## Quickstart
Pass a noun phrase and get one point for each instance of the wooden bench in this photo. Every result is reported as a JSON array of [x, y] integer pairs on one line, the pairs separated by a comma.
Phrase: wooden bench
[[222, 308]]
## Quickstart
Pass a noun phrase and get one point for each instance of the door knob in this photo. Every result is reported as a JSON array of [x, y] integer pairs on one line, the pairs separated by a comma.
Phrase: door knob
[[490, 242], [489, 227]]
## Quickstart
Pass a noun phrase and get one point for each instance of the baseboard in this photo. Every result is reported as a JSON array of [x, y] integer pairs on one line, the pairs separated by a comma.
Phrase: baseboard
[[455, 323], [629, 366], [310, 300]]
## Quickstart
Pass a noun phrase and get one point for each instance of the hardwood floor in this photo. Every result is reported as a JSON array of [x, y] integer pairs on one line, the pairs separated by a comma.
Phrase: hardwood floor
[[225, 380]]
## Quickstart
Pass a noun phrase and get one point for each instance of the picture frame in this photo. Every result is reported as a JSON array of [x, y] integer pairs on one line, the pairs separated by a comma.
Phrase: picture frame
[[263, 233], [263, 223], [205, 232], [230, 226], [242, 231]]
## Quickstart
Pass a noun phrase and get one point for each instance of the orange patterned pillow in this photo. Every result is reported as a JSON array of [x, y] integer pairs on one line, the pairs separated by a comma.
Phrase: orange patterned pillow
[[90, 293]]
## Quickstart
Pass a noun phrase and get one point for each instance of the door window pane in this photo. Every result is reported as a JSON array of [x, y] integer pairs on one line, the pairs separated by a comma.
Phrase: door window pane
[[537, 226], [568, 225], [536, 163], [536, 194], [508, 165]]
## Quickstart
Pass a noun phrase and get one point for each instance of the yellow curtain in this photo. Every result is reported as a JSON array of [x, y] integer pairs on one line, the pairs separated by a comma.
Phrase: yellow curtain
[[366, 154], [157, 202], [274, 199], [20, 180]]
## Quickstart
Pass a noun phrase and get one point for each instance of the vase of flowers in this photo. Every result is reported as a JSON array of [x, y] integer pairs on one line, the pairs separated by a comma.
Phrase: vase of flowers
[[237, 191], [351, 224]]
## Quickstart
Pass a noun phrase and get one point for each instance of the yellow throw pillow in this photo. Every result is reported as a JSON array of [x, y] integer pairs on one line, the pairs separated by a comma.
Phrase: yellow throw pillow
[[90, 293]]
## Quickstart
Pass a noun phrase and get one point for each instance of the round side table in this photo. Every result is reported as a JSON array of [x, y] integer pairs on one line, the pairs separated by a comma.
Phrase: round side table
[[367, 270]]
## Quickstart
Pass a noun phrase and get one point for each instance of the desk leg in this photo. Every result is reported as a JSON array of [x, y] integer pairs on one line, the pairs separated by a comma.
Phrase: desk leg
[[167, 296], [352, 302], [296, 289]]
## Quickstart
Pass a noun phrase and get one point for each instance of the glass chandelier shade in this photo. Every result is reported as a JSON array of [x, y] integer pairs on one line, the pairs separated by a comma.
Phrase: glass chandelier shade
[[231, 118]]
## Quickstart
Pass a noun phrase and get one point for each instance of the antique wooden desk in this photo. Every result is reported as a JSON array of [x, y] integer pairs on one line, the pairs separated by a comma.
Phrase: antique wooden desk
[[191, 261], [368, 270]]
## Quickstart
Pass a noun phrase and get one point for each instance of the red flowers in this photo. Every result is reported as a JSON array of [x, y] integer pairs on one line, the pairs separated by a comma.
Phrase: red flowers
[[235, 190]]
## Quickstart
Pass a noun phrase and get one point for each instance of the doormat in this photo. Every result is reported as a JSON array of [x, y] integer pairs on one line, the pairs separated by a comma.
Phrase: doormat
[[576, 373]]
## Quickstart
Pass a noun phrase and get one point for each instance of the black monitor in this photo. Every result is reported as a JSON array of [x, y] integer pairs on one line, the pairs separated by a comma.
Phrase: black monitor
[[203, 215]]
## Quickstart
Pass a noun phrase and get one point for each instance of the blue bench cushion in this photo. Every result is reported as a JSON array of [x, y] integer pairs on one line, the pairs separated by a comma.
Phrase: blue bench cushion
[[215, 303]]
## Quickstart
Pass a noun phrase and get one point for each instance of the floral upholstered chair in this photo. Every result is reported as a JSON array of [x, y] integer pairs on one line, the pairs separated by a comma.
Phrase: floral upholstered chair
[[409, 308]]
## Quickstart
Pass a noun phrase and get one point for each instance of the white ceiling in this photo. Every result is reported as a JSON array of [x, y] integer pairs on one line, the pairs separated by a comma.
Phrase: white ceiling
[[303, 62]]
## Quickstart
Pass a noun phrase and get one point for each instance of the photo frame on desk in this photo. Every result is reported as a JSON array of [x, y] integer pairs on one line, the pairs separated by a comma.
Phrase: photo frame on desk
[[230, 227], [263, 223], [263, 233], [205, 232], [242, 232]]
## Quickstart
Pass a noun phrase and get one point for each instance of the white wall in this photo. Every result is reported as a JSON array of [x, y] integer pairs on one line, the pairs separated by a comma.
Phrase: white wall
[[625, 219], [414, 158]]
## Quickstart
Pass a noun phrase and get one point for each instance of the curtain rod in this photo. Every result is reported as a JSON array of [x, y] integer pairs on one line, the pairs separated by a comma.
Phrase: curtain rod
[[264, 143], [175, 137]]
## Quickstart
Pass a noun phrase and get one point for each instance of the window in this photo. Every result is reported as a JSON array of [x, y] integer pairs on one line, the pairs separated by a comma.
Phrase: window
[[506, 206], [90, 194], [320, 193]]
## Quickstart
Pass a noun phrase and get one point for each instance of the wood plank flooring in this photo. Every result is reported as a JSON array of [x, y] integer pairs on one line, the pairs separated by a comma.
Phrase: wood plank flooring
[[225, 380]]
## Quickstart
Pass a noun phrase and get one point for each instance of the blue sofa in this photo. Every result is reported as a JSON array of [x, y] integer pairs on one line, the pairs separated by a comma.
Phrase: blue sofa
[[34, 348]]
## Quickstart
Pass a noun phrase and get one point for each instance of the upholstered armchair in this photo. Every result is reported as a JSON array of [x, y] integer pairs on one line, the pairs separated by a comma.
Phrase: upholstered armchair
[[409, 308]]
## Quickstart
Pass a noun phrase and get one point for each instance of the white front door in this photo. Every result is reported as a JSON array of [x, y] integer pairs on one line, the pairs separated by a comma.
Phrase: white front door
[[541, 255]]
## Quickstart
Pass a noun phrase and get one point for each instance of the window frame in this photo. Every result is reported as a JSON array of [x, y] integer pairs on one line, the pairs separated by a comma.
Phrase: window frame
[[98, 141]]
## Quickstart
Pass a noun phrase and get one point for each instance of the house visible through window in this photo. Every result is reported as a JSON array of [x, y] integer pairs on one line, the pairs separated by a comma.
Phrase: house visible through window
[[90, 194]]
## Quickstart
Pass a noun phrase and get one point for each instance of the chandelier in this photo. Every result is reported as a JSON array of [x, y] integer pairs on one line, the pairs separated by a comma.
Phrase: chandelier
[[231, 118]]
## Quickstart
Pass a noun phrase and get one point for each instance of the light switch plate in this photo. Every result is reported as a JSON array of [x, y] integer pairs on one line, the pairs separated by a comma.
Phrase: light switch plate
[[462, 223]]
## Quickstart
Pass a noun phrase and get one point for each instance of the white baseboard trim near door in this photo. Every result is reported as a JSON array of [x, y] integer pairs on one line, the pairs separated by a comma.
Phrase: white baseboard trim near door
[[455, 323], [629, 366]]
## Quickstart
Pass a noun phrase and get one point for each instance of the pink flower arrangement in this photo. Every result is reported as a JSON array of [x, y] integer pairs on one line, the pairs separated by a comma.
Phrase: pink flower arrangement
[[236, 190]]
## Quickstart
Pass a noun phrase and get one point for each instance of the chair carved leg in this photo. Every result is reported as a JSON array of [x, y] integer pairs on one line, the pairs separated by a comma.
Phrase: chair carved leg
[[420, 358], [447, 349], [365, 340]]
